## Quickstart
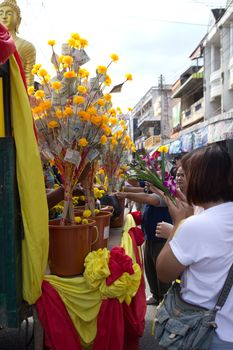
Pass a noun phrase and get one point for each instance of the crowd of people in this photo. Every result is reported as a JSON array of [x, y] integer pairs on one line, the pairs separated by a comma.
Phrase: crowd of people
[[192, 239]]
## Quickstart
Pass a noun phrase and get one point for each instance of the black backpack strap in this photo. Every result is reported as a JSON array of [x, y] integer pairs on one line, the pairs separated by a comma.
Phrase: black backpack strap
[[225, 290]]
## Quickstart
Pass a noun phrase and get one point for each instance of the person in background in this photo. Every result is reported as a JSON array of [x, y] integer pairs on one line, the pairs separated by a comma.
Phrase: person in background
[[200, 248], [177, 164], [155, 210]]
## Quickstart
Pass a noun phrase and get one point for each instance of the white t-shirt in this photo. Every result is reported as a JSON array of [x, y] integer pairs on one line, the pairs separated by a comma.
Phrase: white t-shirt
[[204, 243]]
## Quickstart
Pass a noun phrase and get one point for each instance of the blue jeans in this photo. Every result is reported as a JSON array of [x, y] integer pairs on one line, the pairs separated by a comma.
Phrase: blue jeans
[[218, 344]]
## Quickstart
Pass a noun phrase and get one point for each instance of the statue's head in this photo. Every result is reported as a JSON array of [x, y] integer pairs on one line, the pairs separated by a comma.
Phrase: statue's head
[[10, 15]]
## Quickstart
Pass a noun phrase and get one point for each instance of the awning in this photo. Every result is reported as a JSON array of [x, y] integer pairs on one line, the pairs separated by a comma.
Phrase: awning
[[195, 81]]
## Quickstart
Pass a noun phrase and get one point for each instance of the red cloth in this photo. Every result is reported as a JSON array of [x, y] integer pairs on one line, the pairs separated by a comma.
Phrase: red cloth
[[60, 333], [120, 326], [138, 235], [134, 314], [119, 263], [137, 215], [110, 326], [7, 45]]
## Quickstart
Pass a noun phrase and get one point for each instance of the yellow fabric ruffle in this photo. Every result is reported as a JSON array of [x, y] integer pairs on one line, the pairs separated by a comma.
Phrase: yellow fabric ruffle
[[31, 186], [96, 272], [82, 303]]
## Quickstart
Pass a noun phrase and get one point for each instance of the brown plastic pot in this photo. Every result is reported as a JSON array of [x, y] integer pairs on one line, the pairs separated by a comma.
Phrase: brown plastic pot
[[103, 224], [69, 245]]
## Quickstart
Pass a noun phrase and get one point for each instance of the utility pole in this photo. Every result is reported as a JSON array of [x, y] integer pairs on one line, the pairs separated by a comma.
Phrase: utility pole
[[160, 85]]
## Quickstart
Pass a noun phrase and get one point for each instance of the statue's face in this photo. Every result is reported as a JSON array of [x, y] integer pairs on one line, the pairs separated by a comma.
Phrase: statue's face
[[8, 17]]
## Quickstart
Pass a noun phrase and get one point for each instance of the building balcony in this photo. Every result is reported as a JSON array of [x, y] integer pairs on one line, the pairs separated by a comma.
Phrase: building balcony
[[148, 118], [215, 84], [152, 141], [193, 114]]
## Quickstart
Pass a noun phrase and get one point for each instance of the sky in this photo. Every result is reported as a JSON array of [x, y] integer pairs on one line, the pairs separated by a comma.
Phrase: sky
[[151, 37]]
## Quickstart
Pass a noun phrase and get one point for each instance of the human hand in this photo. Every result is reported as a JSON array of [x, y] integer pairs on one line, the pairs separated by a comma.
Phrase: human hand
[[163, 230], [120, 194], [179, 210], [156, 191]]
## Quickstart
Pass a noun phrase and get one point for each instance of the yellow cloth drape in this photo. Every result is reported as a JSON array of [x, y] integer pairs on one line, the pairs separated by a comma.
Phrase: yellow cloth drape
[[126, 241], [31, 189], [82, 303]]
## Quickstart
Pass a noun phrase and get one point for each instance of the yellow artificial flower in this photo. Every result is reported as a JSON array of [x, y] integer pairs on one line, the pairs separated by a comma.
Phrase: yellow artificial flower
[[83, 43], [53, 124], [84, 221], [122, 122], [39, 94], [84, 115], [82, 89], [114, 141], [101, 102], [42, 72], [56, 85], [60, 59], [37, 66], [114, 57], [108, 80], [75, 36], [106, 129], [108, 97], [83, 73], [96, 119], [68, 111], [70, 74], [103, 139], [101, 69], [119, 134], [87, 213], [46, 104], [68, 60], [59, 113], [113, 120], [129, 76], [34, 71], [77, 219], [133, 149], [130, 109], [104, 118], [71, 42], [112, 111], [101, 171], [78, 100], [163, 149], [51, 42], [83, 142], [91, 110], [46, 79], [31, 90]]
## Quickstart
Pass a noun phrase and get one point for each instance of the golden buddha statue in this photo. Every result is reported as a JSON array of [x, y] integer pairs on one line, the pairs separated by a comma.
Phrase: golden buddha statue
[[10, 17]]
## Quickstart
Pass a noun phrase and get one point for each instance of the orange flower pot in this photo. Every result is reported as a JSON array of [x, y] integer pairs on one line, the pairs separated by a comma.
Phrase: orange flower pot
[[69, 245]]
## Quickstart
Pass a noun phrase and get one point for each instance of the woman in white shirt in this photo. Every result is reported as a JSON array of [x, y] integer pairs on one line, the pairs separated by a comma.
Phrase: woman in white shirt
[[201, 251]]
